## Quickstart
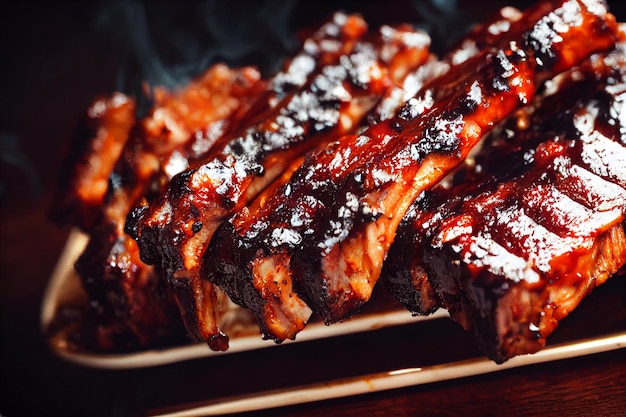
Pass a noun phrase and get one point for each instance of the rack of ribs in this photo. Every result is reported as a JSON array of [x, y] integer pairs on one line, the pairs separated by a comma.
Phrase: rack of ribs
[[404, 273], [488, 181], [233, 260], [350, 76], [516, 245], [319, 240]]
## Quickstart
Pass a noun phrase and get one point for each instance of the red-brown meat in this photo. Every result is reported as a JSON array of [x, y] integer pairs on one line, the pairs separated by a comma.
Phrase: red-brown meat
[[513, 250], [229, 259], [326, 232], [130, 302], [321, 84], [97, 145]]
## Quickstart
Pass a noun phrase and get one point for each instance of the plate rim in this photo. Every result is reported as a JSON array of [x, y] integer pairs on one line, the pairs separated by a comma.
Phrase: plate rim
[[63, 273]]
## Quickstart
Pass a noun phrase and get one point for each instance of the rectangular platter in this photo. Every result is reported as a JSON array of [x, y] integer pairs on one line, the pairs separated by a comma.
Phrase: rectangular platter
[[570, 341]]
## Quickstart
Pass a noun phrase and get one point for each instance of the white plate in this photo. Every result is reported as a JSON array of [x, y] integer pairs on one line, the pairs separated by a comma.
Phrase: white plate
[[64, 288]]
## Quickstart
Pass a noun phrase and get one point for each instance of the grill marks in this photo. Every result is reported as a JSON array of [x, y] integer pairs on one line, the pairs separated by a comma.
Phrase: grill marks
[[235, 260], [509, 255], [294, 212], [350, 78], [529, 234], [168, 231], [326, 232]]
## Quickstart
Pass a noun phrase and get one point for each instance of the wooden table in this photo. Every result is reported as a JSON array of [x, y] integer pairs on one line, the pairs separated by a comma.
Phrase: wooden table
[[58, 63]]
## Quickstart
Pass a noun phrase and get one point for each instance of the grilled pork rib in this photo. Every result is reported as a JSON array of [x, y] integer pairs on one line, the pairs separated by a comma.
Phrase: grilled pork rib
[[280, 313], [237, 259], [326, 232], [404, 275], [176, 230], [361, 199], [514, 250], [200, 303], [291, 195], [128, 300]]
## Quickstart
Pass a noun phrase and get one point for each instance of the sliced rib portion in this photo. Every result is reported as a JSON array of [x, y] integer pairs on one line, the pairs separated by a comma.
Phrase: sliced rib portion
[[176, 230], [329, 227], [169, 147], [181, 127], [281, 314], [245, 257], [130, 304], [513, 251], [404, 273], [361, 199]]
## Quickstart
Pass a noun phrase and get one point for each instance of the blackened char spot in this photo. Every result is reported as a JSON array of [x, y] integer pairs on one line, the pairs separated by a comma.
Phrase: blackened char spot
[[396, 126], [257, 170], [468, 105], [236, 148], [540, 40], [148, 245], [405, 113], [178, 186], [441, 134], [503, 69], [133, 219], [196, 227]]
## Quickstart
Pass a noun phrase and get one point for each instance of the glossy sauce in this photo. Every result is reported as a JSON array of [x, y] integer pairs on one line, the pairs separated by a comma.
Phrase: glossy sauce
[[515, 250]]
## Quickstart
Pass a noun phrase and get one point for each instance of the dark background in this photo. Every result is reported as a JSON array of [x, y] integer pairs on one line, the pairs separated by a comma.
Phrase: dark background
[[55, 58]]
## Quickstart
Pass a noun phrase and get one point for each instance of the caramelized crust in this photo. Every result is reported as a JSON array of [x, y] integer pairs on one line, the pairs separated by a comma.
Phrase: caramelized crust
[[250, 265], [330, 86], [234, 260], [285, 195], [513, 251], [331, 225], [380, 173], [514, 259]]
